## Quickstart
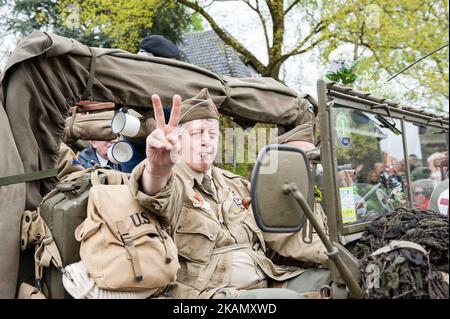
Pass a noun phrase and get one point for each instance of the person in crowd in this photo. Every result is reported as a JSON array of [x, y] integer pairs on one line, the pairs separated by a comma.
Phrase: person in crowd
[[97, 154], [372, 177], [400, 171], [422, 190], [414, 162], [434, 164], [378, 168]]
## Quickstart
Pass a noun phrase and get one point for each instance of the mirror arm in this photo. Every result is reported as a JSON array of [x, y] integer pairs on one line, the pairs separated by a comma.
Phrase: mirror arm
[[332, 251]]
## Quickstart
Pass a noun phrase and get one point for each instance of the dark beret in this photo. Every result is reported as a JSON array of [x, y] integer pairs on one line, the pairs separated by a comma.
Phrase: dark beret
[[159, 46]]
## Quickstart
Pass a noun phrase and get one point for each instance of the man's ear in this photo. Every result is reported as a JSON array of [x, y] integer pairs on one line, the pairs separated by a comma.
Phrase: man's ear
[[93, 144]]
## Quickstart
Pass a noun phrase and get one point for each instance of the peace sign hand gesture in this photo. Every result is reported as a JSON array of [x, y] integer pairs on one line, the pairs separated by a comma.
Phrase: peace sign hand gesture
[[162, 147]]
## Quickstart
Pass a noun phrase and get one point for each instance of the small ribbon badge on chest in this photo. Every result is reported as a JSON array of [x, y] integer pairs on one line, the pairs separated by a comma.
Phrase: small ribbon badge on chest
[[238, 201], [199, 202]]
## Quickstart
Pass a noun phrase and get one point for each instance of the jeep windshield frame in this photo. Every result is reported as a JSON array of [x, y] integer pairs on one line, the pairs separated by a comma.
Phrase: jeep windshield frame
[[333, 98]]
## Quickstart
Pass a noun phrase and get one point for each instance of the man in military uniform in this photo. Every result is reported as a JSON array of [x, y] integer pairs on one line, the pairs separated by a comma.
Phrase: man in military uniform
[[221, 249]]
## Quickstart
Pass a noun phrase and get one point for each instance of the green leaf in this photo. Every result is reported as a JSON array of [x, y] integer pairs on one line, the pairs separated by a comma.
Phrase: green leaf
[[333, 77]]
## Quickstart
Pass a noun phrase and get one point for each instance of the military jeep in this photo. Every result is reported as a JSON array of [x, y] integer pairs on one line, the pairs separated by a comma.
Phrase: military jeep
[[48, 75], [376, 157]]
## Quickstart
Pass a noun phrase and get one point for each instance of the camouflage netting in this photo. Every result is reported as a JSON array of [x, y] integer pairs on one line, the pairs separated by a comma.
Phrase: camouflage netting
[[405, 272]]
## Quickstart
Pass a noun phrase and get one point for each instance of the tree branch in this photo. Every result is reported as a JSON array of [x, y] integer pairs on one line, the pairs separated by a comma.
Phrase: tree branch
[[276, 11], [263, 21], [286, 56], [291, 6], [224, 36], [319, 27]]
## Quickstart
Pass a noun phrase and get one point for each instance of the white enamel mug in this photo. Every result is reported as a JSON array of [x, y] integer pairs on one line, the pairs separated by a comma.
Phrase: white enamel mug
[[120, 152], [125, 124]]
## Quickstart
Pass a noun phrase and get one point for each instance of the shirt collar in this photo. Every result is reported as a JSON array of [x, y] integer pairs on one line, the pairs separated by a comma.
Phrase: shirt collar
[[102, 161], [193, 175], [197, 176]]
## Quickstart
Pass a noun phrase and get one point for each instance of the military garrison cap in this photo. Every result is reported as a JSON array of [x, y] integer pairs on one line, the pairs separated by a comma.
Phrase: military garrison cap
[[200, 106]]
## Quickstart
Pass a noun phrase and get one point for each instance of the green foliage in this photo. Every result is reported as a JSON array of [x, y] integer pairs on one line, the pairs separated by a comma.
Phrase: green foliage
[[363, 150], [390, 35], [345, 75], [242, 169], [103, 23]]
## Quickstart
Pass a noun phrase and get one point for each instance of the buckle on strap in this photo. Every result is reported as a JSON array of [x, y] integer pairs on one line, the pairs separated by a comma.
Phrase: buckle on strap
[[131, 249]]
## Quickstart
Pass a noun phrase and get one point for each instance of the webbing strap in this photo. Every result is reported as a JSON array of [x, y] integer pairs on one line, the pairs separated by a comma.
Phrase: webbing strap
[[46, 252], [88, 90], [35, 231], [131, 249], [226, 249], [28, 177]]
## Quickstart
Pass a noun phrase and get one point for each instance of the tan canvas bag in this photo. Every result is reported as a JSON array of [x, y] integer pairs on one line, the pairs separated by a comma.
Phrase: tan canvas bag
[[122, 245], [97, 126]]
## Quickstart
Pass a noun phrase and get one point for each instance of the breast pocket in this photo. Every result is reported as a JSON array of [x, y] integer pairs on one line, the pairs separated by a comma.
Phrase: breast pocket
[[249, 223], [195, 236]]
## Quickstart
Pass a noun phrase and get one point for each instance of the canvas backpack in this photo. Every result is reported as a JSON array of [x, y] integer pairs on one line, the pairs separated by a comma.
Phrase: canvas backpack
[[50, 229], [123, 246]]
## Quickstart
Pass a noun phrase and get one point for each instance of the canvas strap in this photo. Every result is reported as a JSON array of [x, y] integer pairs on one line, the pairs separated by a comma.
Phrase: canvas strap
[[72, 120], [28, 177], [35, 231], [88, 90], [90, 106], [27, 291], [226, 249], [113, 177], [131, 249]]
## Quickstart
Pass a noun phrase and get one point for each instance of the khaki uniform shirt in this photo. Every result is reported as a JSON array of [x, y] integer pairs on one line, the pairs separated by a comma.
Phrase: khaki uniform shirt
[[207, 230]]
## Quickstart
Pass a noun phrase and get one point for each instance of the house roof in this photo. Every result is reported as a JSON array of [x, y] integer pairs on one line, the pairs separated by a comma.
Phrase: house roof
[[208, 51]]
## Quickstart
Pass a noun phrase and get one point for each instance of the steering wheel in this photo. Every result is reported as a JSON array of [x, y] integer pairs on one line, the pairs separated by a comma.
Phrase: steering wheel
[[383, 198]]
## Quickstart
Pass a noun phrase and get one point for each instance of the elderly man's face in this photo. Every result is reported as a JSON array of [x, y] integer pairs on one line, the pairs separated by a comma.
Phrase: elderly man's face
[[101, 147], [199, 141]]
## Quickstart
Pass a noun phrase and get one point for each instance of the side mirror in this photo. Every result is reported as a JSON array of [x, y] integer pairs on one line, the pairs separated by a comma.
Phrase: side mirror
[[282, 197], [274, 208]]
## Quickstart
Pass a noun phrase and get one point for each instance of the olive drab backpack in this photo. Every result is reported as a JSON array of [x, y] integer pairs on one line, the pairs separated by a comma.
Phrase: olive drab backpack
[[51, 230]]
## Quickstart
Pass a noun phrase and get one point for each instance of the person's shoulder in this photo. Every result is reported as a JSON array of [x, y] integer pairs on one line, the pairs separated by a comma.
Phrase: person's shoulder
[[181, 173], [87, 152], [87, 157], [230, 175]]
